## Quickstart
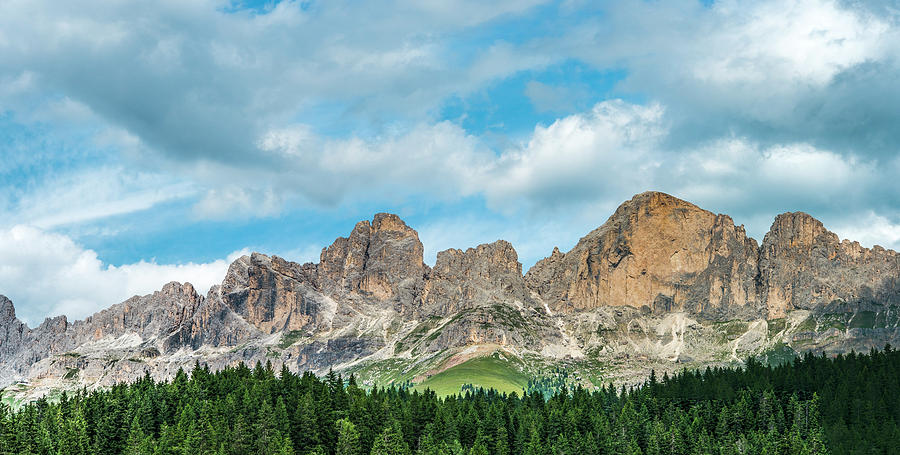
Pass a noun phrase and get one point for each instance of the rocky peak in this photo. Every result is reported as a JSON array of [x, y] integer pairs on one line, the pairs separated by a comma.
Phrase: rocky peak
[[12, 331], [7, 310], [237, 276], [803, 265], [650, 202], [388, 222], [487, 260], [270, 293], [376, 260], [179, 292], [798, 230], [55, 324], [655, 251]]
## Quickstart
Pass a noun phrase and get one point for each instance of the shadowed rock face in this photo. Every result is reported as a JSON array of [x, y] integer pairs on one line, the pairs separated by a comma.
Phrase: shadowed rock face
[[656, 267], [12, 331], [803, 265], [480, 276], [271, 294], [655, 251]]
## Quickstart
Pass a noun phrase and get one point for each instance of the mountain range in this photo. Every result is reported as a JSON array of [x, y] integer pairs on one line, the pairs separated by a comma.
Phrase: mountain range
[[661, 285]]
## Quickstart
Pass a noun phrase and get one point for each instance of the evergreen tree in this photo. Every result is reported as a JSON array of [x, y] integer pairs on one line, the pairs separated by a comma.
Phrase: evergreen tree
[[390, 441], [501, 445], [74, 438], [348, 438], [138, 442]]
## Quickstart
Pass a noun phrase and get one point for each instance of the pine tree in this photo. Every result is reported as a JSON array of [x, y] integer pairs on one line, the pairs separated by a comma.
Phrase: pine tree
[[501, 445], [7, 432], [390, 441], [534, 445], [138, 442], [74, 438], [348, 438], [306, 432], [479, 449]]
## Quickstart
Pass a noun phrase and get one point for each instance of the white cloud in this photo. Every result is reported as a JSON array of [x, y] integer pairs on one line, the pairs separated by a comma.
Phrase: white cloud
[[579, 157], [91, 194], [577, 167], [797, 42], [47, 274], [812, 71], [807, 168], [152, 65], [220, 100], [439, 160], [871, 229], [753, 183], [234, 202]]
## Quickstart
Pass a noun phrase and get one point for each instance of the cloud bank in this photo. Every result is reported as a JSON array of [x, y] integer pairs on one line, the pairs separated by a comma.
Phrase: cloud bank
[[45, 274]]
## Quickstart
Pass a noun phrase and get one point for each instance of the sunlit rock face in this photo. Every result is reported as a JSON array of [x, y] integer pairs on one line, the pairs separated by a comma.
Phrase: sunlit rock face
[[659, 252], [380, 260]]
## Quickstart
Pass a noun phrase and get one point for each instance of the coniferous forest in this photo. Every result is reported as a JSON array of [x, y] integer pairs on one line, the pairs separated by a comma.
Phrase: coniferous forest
[[847, 404]]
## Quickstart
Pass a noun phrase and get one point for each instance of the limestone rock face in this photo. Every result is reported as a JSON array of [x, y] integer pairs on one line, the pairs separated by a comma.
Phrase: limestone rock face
[[655, 251], [271, 294], [485, 275], [12, 331], [803, 265], [164, 317], [381, 260], [154, 315]]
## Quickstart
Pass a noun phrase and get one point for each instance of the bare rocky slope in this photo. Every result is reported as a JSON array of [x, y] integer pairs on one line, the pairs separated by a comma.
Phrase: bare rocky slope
[[662, 284]]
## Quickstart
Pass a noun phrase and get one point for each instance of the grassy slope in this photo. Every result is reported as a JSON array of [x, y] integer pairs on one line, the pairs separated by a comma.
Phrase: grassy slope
[[488, 372]]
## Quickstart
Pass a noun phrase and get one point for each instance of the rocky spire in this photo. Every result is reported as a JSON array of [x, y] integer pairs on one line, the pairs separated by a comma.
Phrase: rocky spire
[[381, 259], [12, 331]]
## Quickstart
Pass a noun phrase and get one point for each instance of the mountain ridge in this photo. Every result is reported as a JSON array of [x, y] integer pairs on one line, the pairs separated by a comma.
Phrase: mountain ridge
[[646, 288]]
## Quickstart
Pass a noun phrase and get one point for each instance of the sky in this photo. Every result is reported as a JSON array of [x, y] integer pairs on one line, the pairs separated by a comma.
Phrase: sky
[[145, 142]]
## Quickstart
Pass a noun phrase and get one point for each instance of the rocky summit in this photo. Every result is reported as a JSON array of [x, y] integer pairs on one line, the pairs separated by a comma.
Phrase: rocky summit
[[663, 284]]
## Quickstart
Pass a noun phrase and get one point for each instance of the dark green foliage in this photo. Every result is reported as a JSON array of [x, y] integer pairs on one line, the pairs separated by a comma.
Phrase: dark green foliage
[[814, 405], [348, 438], [549, 384]]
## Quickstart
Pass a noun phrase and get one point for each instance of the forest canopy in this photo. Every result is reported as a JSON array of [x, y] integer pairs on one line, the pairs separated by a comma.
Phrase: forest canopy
[[814, 405]]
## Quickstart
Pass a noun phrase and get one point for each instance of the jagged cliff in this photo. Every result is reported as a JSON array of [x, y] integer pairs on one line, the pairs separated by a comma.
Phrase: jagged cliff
[[803, 265], [662, 281]]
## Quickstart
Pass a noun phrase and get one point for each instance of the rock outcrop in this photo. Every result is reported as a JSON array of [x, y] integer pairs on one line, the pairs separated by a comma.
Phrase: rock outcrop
[[485, 275], [12, 331], [803, 266], [381, 260], [272, 295]]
